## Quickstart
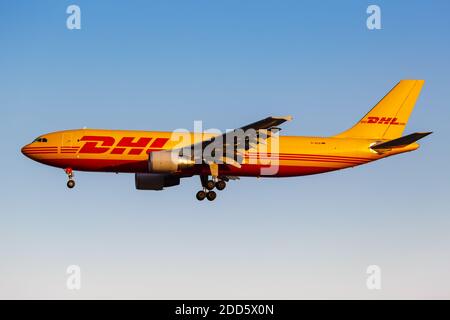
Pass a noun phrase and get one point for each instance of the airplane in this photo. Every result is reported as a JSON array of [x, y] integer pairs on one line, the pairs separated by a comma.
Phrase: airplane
[[160, 161]]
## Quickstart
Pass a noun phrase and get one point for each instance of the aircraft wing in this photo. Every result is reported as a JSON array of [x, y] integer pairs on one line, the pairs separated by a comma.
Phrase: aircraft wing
[[264, 129]]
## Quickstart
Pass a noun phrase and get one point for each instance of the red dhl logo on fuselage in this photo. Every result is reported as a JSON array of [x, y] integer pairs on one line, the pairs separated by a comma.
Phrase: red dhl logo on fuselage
[[382, 120], [103, 144]]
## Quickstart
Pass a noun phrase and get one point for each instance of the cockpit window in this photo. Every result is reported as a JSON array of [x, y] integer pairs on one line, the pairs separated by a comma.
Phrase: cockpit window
[[40, 139]]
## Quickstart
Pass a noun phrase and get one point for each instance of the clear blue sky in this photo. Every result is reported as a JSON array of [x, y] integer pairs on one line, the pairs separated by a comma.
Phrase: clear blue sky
[[160, 65]]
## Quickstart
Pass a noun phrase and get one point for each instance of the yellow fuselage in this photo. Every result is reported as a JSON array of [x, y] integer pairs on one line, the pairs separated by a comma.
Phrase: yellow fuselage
[[128, 151]]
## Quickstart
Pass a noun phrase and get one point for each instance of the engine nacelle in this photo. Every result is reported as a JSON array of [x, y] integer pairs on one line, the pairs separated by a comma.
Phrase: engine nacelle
[[155, 181], [167, 162]]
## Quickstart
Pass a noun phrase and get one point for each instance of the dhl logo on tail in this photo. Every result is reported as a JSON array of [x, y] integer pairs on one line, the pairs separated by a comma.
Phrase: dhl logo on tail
[[383, 120]]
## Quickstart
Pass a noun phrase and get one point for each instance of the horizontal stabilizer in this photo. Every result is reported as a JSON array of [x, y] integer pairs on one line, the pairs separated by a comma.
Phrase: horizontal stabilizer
[[400, 142]]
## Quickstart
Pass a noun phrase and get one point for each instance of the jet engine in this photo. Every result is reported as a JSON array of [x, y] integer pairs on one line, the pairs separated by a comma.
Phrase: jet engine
[[168, 162], [155, 181]]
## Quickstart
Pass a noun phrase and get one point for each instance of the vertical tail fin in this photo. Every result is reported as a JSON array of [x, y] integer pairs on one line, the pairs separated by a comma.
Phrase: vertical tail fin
[[388, 118]]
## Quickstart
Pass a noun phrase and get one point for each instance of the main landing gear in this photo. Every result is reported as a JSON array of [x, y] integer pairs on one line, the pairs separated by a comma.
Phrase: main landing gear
[[210, 195], [208, 186], [70, 182]]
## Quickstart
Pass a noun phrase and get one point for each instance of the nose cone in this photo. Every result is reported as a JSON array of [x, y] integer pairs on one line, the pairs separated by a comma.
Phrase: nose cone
[[26, 151]]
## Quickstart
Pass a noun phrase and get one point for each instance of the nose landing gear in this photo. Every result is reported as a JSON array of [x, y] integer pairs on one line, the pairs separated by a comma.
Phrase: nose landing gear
[[70, 182]]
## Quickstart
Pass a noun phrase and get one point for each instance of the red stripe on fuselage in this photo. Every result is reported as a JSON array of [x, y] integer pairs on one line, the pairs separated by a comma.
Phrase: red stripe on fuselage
[[268, 154], [309, 159], [30, 147], [132, 166], [37, 152]]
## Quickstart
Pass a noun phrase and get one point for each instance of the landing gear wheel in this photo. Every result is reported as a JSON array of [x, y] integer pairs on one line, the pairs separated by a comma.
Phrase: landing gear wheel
[[211, 195], [210, 185], [201, 195], [70, 184], [220, 185]]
